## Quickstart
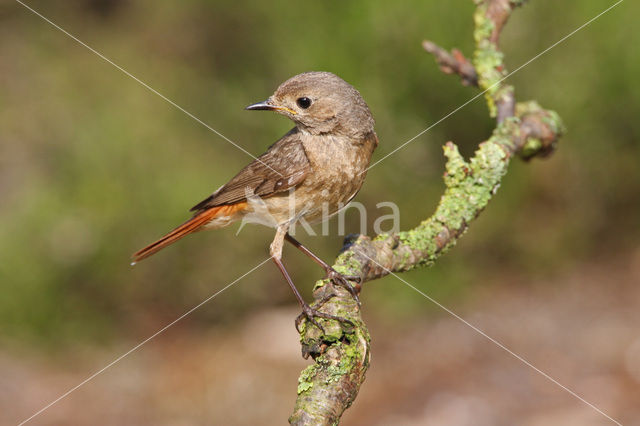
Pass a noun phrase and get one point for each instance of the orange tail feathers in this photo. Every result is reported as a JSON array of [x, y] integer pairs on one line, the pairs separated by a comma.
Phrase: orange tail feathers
[[194, 224]]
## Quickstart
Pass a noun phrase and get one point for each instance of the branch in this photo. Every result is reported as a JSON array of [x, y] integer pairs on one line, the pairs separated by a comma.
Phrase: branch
[[341, 354], [453, 63]]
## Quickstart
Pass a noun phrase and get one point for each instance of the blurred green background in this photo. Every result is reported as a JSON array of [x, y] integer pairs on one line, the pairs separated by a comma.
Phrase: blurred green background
[[93, 165]]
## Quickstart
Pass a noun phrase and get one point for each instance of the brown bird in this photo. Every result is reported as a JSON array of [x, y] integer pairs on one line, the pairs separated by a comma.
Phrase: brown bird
[[311, 172]]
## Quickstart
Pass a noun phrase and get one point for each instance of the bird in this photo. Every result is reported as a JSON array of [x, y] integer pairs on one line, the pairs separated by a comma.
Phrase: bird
[[310, 173]]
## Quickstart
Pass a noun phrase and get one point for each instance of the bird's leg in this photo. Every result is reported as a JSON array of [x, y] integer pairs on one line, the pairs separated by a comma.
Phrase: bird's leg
[[307, 311], [332, 274]]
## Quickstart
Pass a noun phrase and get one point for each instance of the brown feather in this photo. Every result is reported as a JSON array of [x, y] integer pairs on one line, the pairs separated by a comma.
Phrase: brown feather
[[194, 224], [283, 166]]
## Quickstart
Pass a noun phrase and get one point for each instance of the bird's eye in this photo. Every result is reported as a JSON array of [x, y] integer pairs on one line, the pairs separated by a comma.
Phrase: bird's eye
[[304, 102]]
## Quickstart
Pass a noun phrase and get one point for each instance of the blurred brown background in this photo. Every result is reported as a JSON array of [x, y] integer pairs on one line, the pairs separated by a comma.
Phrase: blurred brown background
[[93, 166]]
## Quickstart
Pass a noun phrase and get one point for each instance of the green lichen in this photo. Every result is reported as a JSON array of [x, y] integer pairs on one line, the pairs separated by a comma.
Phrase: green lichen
[[350, 358], [523, 108], [347, 263], [305, 381], [549, 117], [488, 62], [555, 123], [330, 368], [456, 167], [419, 238], [487, 59], [483, 26], [506, 133], [531, 148], [352, 352], [406, 261], [335, 372], [319, 284], [469, 187], [381, 237]]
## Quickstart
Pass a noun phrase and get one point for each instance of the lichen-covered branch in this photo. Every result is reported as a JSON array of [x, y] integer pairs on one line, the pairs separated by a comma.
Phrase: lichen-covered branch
[[341, 353]]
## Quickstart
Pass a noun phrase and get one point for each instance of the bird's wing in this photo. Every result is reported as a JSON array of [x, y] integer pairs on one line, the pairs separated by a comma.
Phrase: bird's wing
[[283, 166]]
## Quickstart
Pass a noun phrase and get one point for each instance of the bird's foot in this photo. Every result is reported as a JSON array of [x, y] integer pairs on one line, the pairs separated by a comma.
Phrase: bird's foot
[[344, 281], [312, 313]]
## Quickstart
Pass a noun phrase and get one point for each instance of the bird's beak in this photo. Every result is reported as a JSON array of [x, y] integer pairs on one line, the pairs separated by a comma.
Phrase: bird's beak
[[268, 105]]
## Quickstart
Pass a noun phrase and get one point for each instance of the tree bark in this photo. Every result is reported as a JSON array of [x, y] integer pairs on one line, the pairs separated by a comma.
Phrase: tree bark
[[341, 353]]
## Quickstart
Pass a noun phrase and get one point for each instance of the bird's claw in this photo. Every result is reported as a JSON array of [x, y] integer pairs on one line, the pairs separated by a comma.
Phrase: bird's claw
[[311, 314], [344, 281]]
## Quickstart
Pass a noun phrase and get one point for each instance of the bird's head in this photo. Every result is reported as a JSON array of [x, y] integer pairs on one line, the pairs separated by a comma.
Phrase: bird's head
[[320, 103]]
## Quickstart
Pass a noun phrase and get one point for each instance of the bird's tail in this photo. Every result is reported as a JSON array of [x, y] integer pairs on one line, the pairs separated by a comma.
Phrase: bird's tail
[[224, 214]]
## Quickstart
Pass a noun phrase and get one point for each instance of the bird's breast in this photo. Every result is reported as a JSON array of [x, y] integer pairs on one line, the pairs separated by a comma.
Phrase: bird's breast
[[337, 170], [338, 166]]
